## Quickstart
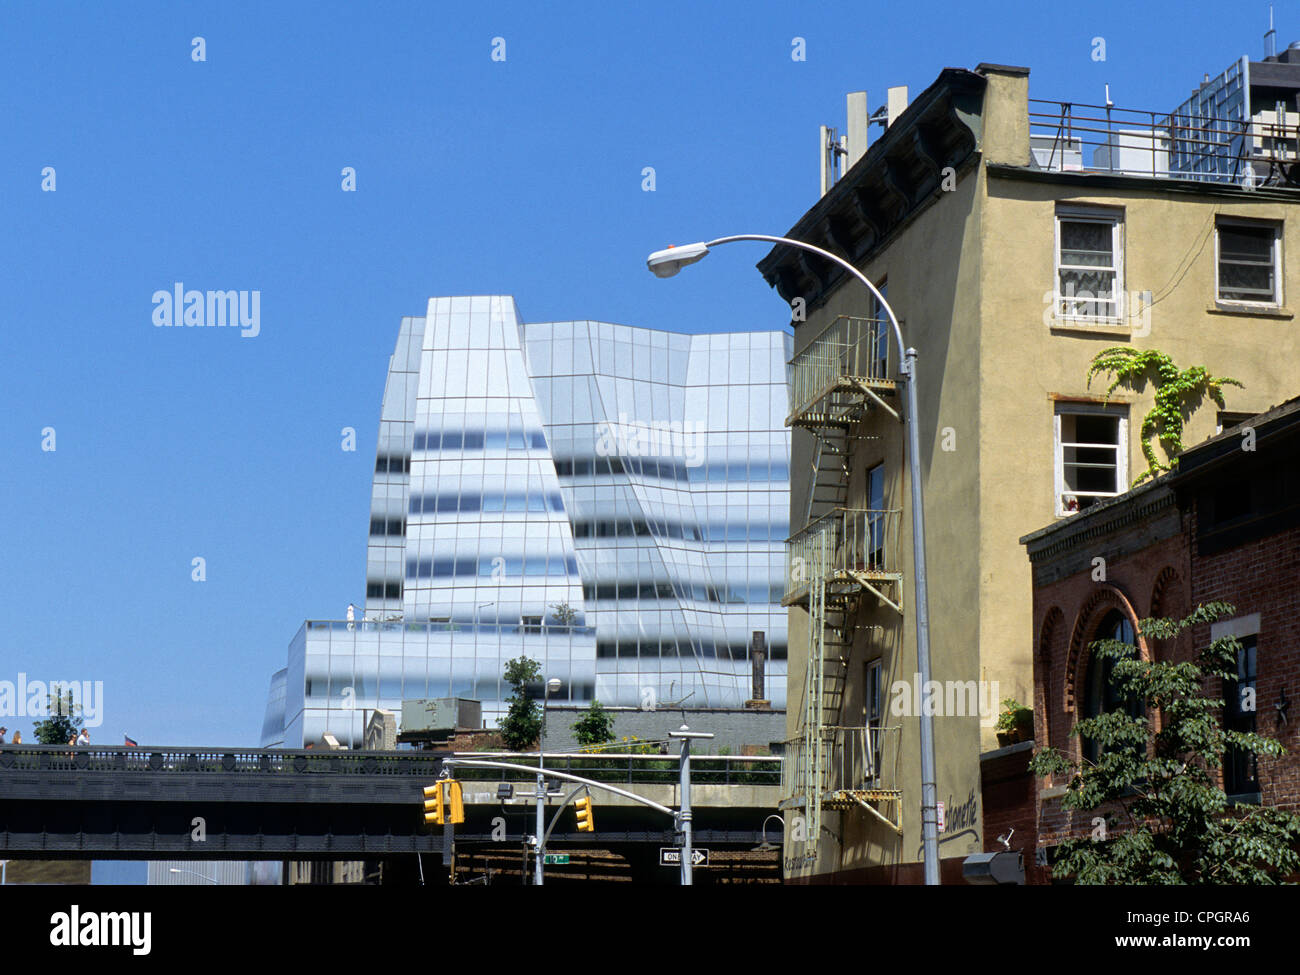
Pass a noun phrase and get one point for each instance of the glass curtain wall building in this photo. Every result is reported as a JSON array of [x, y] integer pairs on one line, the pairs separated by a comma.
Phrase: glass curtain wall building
[[611, 501]]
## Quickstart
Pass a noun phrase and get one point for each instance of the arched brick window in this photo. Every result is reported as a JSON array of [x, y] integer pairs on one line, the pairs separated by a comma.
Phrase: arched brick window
[[1108, 614], [1099, 693], [1047, 668]]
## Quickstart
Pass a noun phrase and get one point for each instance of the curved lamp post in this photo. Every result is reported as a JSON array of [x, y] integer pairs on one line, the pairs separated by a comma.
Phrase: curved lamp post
[[665, 264]]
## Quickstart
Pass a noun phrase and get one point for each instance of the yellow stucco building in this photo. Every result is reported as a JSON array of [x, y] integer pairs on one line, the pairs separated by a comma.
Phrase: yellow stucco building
[[1015, 240]]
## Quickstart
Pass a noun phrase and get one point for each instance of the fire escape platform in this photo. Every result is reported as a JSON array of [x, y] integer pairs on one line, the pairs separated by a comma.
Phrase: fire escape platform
[[845, 395], [847, 584]]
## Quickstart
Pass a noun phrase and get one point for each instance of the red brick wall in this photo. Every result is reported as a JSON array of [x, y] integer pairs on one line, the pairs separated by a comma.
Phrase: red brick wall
[[1263, 577], [1167, 578], [1141, 580], [1009, 794]]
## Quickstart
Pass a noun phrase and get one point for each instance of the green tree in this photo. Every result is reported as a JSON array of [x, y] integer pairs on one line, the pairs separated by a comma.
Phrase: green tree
[[564, 614], [523, 721], [595, 727], [62, 720], [1178, 394], [1162, 817]]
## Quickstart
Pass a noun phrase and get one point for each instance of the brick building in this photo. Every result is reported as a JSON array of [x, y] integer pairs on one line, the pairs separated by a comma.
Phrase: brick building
[[1225, 526]]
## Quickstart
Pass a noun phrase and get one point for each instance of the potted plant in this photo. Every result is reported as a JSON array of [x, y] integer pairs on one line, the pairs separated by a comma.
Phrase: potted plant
[[1015, 723]]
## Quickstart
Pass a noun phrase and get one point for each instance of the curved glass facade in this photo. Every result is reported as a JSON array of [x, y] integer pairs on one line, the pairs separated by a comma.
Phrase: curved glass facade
[[612, 501]]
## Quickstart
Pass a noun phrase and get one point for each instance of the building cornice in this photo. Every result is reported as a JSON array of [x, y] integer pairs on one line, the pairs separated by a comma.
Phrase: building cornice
[[901, 174], [1108, 518]]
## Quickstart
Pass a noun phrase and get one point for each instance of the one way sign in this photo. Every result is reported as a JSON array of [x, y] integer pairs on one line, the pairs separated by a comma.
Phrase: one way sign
[[671, 856]]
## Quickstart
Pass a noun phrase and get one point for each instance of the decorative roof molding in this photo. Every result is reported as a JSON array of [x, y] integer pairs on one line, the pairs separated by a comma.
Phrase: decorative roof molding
[[899, 176]]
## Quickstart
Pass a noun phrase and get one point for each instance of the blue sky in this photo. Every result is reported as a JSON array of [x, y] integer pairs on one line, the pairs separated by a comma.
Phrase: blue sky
[[473, 176]]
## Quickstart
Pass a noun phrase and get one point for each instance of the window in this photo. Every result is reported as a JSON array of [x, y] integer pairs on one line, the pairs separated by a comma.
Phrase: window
[[1089, 266], [1240, 767], [1091, 456], [532, 624], [1100, 696], [879, 334], [876, 519], [1227, 419], [874, 715], [1249, 263]]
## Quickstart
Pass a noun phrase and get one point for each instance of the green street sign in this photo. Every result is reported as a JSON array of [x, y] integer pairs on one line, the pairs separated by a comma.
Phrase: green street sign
[[555, 858]]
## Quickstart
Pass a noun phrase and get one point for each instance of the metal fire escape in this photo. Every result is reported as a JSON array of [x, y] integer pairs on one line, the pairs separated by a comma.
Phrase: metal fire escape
[[841, 558]]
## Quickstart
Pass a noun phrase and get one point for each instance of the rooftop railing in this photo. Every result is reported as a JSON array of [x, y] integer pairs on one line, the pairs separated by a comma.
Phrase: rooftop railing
[[842, 542], [447, 626], [847, 349], [1070, 137]]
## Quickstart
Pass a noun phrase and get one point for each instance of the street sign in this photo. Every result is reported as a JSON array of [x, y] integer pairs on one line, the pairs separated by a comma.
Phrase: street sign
[[555, 858], [671, 856]]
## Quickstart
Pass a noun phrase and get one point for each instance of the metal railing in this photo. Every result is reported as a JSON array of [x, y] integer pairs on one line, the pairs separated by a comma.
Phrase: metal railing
[[1069, 137], [68, 758], [634, 769], [842, 541], [852, 758], [447, 626], [847, 348]]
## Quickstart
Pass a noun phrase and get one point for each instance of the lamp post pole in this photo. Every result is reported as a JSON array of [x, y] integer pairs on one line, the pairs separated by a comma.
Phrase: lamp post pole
[[538, 876], [668, 262], [684, 780]]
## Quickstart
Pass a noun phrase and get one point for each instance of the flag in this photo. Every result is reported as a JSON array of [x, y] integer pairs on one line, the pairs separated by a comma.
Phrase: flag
[[130, 742]]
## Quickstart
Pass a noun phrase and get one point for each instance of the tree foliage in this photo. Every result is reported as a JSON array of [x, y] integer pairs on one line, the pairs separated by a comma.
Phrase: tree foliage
[[62, 720], [1162, 816], [595, 727], [522, 724], [1178, 395], [564, 614]]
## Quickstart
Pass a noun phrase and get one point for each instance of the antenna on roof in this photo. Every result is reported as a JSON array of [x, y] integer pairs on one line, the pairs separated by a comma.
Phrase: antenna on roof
[[1270, 39]]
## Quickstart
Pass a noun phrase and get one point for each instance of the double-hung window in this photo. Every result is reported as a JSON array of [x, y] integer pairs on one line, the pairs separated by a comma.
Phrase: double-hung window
[[1248, 265], [1091, 455], [1089, 266]]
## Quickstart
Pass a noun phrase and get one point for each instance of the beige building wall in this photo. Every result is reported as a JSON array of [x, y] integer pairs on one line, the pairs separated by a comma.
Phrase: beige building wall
[[968, 276]]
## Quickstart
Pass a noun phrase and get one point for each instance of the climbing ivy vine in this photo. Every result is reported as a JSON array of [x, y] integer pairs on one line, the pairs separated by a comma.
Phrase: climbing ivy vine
[[1178, 394]]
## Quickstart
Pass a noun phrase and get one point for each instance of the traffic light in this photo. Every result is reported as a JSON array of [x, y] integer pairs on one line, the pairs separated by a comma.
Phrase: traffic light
[[455, 802], [586, 823], [433, 806]]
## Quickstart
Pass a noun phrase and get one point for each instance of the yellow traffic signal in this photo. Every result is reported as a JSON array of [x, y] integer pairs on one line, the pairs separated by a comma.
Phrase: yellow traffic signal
[[586, 823], [455, 802], [433, 806]]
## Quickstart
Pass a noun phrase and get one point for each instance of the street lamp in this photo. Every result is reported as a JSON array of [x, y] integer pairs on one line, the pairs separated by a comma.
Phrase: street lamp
[[684, 816], [665, 264], [552, 685], [195, 873], [764, 846]]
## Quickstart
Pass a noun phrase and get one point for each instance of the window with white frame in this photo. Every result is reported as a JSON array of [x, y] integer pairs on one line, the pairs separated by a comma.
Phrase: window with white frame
[[1248, 265], [1091, 455], [1089, 265]]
